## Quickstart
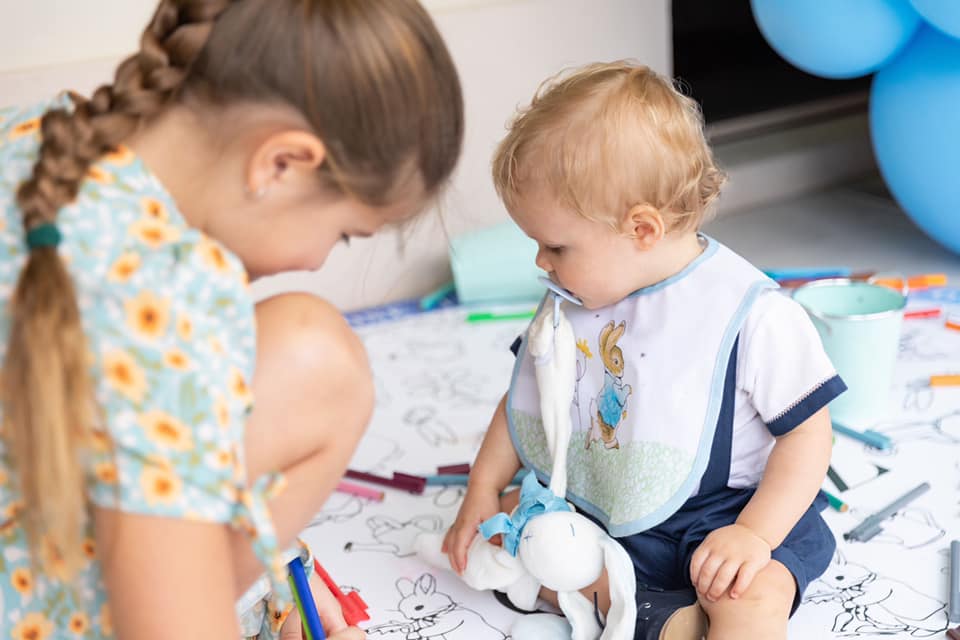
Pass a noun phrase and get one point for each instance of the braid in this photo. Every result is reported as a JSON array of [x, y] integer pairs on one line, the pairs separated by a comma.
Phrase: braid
[[47, 395]]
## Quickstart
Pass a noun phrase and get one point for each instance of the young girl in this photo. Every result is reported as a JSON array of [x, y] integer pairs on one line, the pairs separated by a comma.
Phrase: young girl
[[141, 489], [701, 433]]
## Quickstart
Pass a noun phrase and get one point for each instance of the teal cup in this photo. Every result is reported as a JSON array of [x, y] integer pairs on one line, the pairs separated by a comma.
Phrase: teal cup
[[859, 324]]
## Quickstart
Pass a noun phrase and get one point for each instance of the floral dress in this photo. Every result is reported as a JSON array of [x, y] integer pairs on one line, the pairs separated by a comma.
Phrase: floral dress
[[170, 325]]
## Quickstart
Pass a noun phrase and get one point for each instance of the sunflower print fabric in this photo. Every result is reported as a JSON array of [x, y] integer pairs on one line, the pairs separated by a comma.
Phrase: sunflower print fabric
[[170, 326]]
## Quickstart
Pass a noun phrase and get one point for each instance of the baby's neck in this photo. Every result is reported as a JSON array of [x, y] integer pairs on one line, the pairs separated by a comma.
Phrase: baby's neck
[[670, 256]]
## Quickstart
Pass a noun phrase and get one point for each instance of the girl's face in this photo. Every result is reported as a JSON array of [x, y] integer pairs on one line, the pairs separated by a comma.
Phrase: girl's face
[[263, 198], [297, 231]]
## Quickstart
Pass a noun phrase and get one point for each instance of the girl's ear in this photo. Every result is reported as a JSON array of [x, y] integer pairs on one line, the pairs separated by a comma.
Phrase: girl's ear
[[645, 225], [282, 157]]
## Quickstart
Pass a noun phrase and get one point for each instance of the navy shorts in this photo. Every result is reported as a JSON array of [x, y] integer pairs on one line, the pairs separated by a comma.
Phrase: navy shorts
[[661, 555]]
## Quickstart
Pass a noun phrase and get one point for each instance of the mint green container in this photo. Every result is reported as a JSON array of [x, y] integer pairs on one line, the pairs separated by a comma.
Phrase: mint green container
[[496, 265], [859, 323]]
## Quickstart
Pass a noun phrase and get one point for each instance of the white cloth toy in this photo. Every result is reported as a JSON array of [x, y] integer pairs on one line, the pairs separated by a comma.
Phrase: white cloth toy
[[546, 542]]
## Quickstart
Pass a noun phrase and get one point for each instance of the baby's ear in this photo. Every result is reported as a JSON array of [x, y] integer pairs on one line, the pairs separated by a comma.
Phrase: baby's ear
[[644, 224]]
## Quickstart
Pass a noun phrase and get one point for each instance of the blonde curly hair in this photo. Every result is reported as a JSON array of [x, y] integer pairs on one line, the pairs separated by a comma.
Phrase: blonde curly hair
[[607, 137]]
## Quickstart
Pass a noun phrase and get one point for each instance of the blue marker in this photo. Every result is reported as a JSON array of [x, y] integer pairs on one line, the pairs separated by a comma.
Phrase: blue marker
[[955, 581], [432, 300], [309, 616], [875, 439], [811, 273], [453, 479]]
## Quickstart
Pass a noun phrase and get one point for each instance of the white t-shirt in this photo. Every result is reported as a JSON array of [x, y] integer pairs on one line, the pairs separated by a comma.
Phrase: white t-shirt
[[783, 377]]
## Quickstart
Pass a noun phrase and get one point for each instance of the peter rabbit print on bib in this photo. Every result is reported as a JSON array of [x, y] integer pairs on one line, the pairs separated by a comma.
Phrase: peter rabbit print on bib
[[650, 378]]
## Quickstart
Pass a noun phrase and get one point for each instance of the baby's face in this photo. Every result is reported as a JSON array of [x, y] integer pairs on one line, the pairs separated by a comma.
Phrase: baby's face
[[592, 260]]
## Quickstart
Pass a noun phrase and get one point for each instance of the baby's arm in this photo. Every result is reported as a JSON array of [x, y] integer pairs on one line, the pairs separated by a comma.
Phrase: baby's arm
[[733, 555], [492, 472]]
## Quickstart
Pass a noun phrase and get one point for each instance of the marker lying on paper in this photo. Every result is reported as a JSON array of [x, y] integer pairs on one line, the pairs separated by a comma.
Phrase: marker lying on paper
[[949, 380], [921, 314], [870, 527], [452, 469], [412, 484], [432, 300], [488, 316], [875, 439], [793, 283], [954, 614], [921, 281], [836, 502], [461, 479], [359, 491], [806, 273]]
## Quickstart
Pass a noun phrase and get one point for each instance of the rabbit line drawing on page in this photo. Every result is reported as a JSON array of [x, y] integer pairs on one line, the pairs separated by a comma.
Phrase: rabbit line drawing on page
[[431, 430], [386, 348], [459, 387], [918, 396], [339, 507], [923, 345], [429, 613], [376, 453], [910, 528], [944, 429], [609, 408], [395, 537], [871, 604], [449, 496]]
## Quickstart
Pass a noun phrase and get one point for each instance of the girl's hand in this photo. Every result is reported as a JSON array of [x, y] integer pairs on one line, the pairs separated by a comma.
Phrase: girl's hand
[[331, 616], [479, 504], [731, 555]]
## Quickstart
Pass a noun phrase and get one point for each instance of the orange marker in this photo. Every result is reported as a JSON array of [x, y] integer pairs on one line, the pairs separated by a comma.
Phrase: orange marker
[[915, 283], [952, 380], [953, 322]]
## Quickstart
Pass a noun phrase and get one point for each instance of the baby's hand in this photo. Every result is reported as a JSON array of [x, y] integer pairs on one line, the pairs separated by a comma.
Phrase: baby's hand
[[479, 504], [727, 554]]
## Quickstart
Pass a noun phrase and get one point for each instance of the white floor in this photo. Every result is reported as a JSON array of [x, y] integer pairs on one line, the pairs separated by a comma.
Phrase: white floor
[[856, 226]]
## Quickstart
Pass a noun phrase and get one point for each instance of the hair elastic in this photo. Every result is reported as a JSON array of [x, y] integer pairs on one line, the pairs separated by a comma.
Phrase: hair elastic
[[44, 235]]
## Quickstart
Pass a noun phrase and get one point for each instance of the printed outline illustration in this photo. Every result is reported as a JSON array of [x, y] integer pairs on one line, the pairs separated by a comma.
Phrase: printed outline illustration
[[429, 427], [395, 537], [871, 604], [429, 613]]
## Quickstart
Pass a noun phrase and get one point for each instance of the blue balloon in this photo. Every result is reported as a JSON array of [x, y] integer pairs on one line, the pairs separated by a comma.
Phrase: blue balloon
[[915, 125], [836, 38], [943, 14]]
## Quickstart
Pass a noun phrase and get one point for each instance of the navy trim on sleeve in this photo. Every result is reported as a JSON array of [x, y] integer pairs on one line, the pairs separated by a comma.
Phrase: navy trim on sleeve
[[817, 400], [515, 347]]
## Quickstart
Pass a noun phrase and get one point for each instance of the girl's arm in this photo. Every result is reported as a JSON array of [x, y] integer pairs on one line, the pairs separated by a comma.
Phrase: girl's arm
[[164, 575]]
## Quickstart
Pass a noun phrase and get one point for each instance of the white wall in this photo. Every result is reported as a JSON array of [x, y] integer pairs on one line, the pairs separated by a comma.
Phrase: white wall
[[503, 48], [503, 52]]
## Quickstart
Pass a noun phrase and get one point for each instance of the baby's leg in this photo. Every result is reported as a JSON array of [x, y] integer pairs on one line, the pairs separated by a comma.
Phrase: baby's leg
[[314, 397], [761, 613]]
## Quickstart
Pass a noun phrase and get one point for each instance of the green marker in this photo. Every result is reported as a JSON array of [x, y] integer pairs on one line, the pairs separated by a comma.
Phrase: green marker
[[836, 502], [492, 317]]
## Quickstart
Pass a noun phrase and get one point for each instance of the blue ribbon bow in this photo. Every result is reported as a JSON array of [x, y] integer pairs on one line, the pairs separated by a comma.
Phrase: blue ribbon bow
[[535, 500]]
